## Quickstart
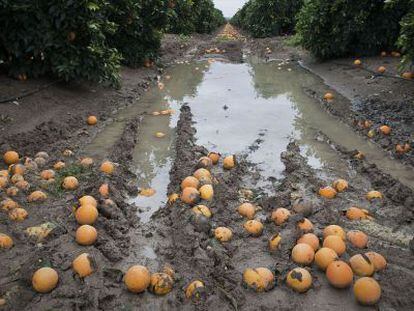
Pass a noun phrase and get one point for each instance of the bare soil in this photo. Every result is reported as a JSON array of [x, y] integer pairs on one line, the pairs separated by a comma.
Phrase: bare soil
[[53, 120]]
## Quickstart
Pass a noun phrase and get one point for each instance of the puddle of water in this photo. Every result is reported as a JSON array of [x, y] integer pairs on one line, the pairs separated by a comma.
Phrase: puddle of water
[[252, 108], [149, 252], [258, 107]]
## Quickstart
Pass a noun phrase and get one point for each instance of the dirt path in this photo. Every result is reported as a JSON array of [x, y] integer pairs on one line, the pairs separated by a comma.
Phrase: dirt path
[[54, 119]]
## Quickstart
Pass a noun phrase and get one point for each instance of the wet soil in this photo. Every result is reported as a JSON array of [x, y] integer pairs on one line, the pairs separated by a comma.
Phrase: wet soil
[[54, 119]]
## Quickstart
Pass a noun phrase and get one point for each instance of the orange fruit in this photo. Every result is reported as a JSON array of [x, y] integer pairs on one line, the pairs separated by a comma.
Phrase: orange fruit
[[194, 289], [310, 239], [385, 129], [11, 157], [303, 254], [39, 161], [357, 238], [334, 230], [377, 260], [280, 215], [223, 234], [47, 174], [88, 200], [18, 214], [253, 227], [381, 69], [5, 241], [229, 162], [19, 169], [12, 191], [107, 167], [3, 182], [299, 279], [355, 213], [259, 279], [137, 279], [202, 210], [23, 185], [9, 204], [86, 235], [247, 210], [37, 196], [161, 283], [274, 242], [92, 120], [70, 183], [16, 178], [202, 173], [339, 274], [340, 185], [190, 195], [361, 265], [215, 157], [59, 165], [305, 225], [190, 181], [86, 162], [371, 195], [205, 162], [84, 265], [86, 215], [206, 192], [45, 280], [104, 190], [367, 291], [324, 257], [328, 96], [336, 243], [407, 75], [327, 192]]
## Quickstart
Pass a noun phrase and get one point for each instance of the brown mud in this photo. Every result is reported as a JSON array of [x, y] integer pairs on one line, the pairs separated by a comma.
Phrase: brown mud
[[54, 119]]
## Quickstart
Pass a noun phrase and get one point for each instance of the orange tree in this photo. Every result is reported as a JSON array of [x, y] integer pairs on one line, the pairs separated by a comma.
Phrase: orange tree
[[180, 17], [189, 16], [78, 39], [349, 27], [406, 40], [65, 39], [264, 18], [139, 24]]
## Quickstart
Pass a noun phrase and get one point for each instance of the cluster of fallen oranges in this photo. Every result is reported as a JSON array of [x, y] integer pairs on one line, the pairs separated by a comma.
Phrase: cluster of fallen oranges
[[383, 129], [200, 186], [12, 181], [339, 273], [381, 69], [45, 279], [229, 33], [307, 250]]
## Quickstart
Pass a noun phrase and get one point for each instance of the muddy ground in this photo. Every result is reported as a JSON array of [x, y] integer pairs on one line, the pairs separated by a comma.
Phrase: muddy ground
[[53, 120]]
